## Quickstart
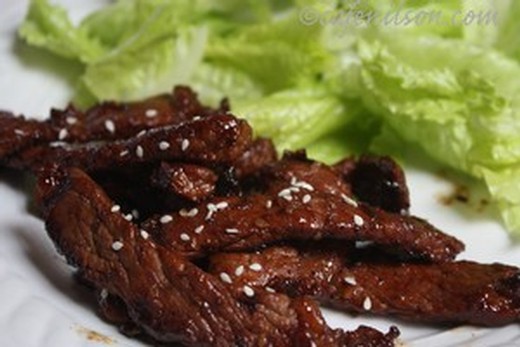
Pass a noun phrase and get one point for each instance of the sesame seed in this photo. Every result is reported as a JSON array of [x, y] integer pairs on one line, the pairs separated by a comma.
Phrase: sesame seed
[[103, 294], [117, 246], [185, 144], [110, 126], [185, 237], [287, 197], [294, 181], [151, 113], [248, 291], [57, 144], [306, 198], [270, 290], [196, 118], [350, 280], [232, 231], [166, 219], [128, 217], [367, 304], [363, 244], [294, 189], [212, 208], [71, 120], [330, 263], [139, 151], [144, 234], [358, 220], [141, 133], [19, 132], [255, 267], [163, 145], [115, 208], [349, 200], [199, 229], [123, 153], [304, 185], [191, 213], [224, 277], [63, 134], [222, 205], [135, 213], [269, 204], [239, 270], [284, 192]]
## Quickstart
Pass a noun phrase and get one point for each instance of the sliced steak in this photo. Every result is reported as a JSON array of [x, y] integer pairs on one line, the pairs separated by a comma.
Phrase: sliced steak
[[303, 200], [454, 292], [209, 140], [113, 120]]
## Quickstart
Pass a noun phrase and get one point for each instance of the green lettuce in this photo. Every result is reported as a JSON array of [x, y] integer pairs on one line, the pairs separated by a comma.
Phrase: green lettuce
[[293, 124], [458, 102], [49, 27]]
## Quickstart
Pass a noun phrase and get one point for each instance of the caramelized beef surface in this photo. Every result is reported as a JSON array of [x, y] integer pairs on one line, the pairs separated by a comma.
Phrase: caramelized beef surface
[[170, 298], [105, 121], [303, 200], [194, 183], [210, 140], [113, 120], [18, 133], [359, 281]]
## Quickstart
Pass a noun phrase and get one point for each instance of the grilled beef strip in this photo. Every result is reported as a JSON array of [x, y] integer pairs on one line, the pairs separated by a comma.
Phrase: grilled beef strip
[[209, 140], [106, 121], [303, 200], [453, 292], [193, 183], [171, 299], [378, 181], [113, 120], [17, 133]]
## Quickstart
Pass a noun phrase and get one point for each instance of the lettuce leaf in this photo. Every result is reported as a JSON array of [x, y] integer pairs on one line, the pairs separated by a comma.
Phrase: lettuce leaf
[[295, 118], [458, 102], [137, 69], [49, 27]]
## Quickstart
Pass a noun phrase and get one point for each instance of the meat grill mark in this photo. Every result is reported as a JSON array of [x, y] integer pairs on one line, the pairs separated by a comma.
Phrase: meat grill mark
[[170, 298], [447, 293], [213, 139]]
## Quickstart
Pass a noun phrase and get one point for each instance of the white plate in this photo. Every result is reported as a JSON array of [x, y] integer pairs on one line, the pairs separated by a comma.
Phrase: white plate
[[40, 305]]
